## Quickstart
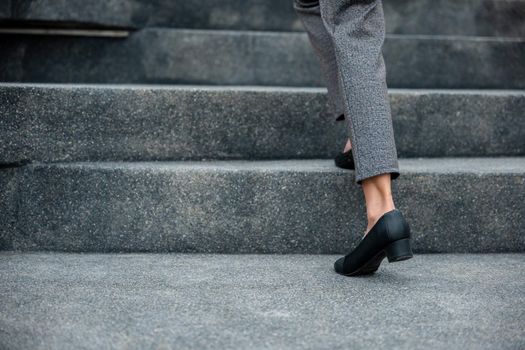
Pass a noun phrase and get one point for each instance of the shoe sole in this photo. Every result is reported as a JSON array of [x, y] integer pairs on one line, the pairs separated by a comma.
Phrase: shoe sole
[[396, 251]]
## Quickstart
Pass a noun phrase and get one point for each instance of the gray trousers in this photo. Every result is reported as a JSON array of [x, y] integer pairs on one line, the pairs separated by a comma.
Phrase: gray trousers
[[347, 37]]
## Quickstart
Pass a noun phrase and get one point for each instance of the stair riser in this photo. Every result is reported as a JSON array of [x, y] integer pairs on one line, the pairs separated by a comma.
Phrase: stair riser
[[466, 17], [250, 58], [5, 9], [9, 185], [229, 209], [68, 123]]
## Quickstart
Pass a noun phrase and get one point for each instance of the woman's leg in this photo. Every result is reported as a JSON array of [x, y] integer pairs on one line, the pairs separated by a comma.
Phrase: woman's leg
[[348, 39], [378, 198], [357, 30], [309, 13]]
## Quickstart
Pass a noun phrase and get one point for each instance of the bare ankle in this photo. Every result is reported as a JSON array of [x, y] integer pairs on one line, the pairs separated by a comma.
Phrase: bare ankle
[[348, 146], [373, 215], [377, 212]]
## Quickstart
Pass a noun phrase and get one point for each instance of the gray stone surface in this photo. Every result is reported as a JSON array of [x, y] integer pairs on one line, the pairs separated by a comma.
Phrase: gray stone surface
[[254, 58], [451, 17], [8, 205], [309, 206], [195, 301], [5, 9], [97, 122]]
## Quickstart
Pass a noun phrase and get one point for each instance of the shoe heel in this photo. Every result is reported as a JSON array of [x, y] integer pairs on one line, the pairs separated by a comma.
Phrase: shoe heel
[[399, 250]]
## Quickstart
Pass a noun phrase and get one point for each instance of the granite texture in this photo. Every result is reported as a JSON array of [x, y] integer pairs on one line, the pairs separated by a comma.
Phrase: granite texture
[[195, 301], [253, 58], [9, 182], [5, 9], [433, 17], [451, 17], [303, 206], [129, 122]]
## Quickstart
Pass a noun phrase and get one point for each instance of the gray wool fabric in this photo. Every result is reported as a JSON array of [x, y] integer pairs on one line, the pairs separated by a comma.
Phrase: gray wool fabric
[[347, 37]]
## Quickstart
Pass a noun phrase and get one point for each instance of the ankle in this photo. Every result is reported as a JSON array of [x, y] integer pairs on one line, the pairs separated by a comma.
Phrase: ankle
[[374, 214], [348, 146]]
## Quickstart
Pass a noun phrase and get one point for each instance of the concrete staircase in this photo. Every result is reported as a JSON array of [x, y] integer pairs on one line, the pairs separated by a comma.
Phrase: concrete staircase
[[174, 127], [219, 57], [246, 301]]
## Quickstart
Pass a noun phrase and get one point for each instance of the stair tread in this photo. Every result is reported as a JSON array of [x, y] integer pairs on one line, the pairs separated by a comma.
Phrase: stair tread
[[472, 205], [488, 17], [221, 301], [162, 55], [75, 122], [484, 165], [256, 88]]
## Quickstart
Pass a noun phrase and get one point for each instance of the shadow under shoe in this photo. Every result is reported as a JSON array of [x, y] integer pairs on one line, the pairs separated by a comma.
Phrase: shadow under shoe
[[389, 237]]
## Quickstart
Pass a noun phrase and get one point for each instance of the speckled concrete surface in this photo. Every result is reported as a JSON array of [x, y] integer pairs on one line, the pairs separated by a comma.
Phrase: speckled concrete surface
[[5, 9], [50, 122], [466, 17], [279, 206], [186, 301], [181, 56]]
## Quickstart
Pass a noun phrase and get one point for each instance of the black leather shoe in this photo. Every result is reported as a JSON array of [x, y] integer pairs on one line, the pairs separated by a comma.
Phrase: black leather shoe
[[389, 237], [345, 160]]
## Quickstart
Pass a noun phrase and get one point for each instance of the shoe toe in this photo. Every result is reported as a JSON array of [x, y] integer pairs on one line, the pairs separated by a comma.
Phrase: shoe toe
[[338, 264]]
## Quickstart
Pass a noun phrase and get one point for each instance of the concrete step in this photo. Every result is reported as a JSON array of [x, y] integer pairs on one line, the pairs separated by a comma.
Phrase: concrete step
[[449, 17], [208, 301], [130, 122], [302, 206], [254, 58]]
